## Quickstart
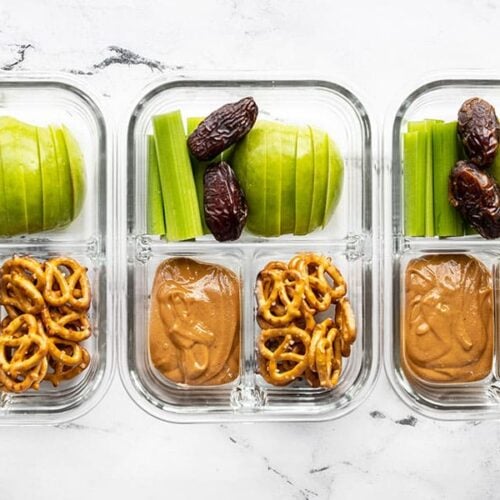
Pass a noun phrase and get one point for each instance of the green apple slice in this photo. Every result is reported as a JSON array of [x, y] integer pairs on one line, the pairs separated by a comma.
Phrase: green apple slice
[[288, 159], [63, 168], [304, 180], [274, 161], [250, 166], [320, 154], [335, 180], [77, 170], [51, 186], [13, 177]]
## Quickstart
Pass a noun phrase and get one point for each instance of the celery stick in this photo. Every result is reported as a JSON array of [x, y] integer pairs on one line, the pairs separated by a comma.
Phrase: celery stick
[[156, 217], [182, 216], [495, 168], [447, 220], [413, 170]]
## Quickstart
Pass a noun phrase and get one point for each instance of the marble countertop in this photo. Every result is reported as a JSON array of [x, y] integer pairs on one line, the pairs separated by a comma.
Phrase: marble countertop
[[381, 450]]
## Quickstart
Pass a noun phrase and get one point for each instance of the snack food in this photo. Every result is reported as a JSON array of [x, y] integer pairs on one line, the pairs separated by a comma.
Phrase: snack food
[[194, 323], [448, 319], [222, 128], [47, 316], [476, 195], [225, 206], [297, 340], [42, 171], [478, 128]]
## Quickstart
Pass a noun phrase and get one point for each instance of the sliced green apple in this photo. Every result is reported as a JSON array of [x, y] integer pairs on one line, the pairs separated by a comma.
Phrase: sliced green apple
[[304, 180], [13, 177], [250, 166], [274, 161], [335, 180], [288, 137], [77, 170], [66, 192], [51, 187], [320, 155]]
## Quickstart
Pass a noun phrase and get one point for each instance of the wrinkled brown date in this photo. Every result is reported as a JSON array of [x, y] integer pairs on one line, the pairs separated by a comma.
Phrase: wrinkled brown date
[[478, 128], [476, 195], [224, 202], [222, 128]]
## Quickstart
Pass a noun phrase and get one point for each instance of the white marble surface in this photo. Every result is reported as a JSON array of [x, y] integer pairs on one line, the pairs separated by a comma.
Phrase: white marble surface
[[381, 450]]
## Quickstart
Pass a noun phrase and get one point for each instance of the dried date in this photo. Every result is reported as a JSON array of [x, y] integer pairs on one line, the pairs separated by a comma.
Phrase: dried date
[[478, 128], [224, 202], [476, 195], [222, 128]]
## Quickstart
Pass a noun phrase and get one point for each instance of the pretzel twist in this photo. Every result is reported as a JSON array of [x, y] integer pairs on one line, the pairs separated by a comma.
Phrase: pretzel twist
[[277, 346], [27, 267], [23, 344], [329, 359], [66, 284], [344, 319], [66, 324], [16, 290], [274, 287], [319, 292], [62, 370]]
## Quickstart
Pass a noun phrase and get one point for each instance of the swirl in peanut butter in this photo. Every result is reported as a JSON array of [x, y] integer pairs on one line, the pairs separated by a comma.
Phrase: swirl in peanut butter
[[194, 325], [448, 319]]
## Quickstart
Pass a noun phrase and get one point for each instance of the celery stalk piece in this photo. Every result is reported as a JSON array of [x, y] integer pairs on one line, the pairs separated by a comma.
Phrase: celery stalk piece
[[495, 168], [156, 216], [182, 215], [414, 194], [199, 168], [447, 220]]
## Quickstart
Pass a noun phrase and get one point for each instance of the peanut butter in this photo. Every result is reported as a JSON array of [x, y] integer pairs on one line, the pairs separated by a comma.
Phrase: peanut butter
[[448, 319], [194, 324]]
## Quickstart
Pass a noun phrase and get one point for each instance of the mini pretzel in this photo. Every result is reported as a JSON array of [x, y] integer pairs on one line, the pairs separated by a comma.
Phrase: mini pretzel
[[28, 267], [319, 292], [280, 350], [23, 382], [274, 286], [329, 359], [65, 351], [23, 344], [18, 291], [70, 287], [320, 332], [61, 371], [344, 319], [67, 324]]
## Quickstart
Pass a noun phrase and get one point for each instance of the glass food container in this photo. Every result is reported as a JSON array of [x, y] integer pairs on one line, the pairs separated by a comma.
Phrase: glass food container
[[348, 238], [44, 101], [439, 99]]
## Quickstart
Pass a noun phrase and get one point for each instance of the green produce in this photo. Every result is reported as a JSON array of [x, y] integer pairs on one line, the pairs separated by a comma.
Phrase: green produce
[[320, 183], [283, 166], [250, 166], [51, 185], [156, 217], [335, 180], [62, 160], [36, 190], [182, 215], [13, 159], [447, 220], [414, 185], [304, 180], [77, 170]]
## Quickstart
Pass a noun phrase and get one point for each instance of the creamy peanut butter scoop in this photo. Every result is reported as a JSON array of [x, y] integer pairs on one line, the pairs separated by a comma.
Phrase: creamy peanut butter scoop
[[448, 319], [194, 324]]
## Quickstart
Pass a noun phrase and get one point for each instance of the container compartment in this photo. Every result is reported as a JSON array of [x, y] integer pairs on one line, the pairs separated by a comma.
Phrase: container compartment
[[42, 102], [467, 400], [347, 237]]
